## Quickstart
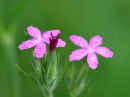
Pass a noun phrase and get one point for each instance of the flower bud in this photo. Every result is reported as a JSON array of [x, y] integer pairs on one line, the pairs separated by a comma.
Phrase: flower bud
[[53, 42]]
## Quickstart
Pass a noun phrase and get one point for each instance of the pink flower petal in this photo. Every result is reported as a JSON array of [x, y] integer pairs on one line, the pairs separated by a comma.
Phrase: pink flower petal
[[92, 61], [77, 54], [34, 32], [40, 50], [103, 51], [47, 35], [27, 44], [96, 41], [61, 43], [79, 41], [54, 32]]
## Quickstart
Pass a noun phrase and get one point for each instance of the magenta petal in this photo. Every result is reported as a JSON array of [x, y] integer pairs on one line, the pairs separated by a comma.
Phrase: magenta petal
[[46, 36], [79, 41], [61, 43], [33, 31], [77, 54], [27, 44], [95, 41], [54, 32], [92, 61], [40, 50], [105, 52]]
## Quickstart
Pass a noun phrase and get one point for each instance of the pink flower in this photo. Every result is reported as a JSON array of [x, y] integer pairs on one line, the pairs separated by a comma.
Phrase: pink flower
[[94, 47], [39, 40]]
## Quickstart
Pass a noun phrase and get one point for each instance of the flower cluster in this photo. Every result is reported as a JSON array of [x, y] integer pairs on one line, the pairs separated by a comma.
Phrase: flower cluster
[[52, 38]]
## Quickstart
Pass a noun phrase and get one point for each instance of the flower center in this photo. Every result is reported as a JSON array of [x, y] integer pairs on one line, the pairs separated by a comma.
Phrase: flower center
[[90, 49], [38, 39]]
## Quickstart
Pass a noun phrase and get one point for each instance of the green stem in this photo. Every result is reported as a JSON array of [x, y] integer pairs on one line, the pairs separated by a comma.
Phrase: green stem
[[52, 71], [45, 91], [76, 85], [82, 72], [40, 75]]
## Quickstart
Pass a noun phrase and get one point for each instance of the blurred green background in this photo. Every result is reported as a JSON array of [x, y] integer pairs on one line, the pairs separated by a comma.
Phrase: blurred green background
[[108, 18]]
